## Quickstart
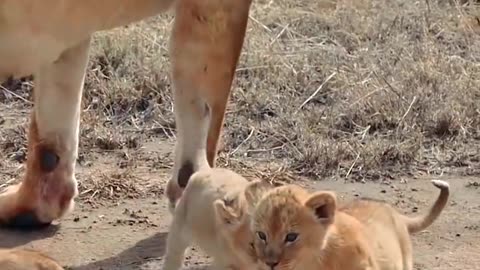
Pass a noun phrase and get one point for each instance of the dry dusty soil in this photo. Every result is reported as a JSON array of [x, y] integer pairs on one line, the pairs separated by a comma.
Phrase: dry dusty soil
[[364, 97]]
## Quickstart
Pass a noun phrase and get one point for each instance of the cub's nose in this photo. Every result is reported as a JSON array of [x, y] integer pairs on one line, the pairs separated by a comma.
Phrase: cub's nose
[[272, 264]]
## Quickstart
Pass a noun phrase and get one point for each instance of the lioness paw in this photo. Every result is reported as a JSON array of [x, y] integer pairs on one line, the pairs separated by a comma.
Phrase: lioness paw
[[14, 214], [35, 204]]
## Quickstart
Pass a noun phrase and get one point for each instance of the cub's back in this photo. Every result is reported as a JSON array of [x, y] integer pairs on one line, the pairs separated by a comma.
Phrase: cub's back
[[206, 186], [18, 259], [368, 210], [203, 188], [386, 230]]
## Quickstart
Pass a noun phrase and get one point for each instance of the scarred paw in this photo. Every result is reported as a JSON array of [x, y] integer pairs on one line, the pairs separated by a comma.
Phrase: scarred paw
[[16, 211], [36, 202]]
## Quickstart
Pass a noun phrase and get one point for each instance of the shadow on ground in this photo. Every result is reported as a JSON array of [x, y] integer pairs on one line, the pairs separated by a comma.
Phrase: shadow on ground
[[10, 238], [144, 250]]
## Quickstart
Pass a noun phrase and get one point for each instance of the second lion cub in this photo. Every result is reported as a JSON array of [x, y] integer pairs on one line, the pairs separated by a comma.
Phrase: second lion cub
[[298, 230], [24, 259], [213, 212]]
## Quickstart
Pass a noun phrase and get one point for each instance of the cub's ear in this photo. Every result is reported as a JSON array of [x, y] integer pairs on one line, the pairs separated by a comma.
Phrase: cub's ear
[[323, 204], [255, 190], [226, 213]]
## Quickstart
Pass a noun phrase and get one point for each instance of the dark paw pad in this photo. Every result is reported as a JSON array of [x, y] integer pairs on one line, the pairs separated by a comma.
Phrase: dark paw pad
[[26, 221], [184, 174]]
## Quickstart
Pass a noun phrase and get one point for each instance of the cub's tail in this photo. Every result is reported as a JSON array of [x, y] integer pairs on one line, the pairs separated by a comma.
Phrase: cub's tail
[[416, 224]]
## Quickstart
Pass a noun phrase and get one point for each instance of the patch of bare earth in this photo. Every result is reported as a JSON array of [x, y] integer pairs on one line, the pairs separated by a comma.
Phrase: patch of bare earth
[[365, 92]]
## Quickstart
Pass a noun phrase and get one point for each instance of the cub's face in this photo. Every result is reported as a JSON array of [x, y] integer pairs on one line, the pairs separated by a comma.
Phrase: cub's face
[[289, 225]]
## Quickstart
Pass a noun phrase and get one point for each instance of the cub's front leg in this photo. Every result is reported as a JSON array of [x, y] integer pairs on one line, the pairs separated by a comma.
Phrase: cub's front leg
[[49, 187]]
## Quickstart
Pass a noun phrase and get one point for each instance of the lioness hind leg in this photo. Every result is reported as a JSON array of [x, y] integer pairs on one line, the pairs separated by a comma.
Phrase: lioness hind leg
[[49, 186], [206, 42]]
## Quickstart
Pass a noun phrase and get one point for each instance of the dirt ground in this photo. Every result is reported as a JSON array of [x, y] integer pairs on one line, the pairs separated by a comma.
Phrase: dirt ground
[[364, 97]]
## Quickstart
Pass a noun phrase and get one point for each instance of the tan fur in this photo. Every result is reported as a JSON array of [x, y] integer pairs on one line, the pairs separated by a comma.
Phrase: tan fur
[[51, 38], [213, 212], [361, 235], [21, 259]]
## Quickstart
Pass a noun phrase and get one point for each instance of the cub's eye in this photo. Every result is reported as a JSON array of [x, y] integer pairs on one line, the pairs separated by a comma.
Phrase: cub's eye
[[291, 237], [262, 236]]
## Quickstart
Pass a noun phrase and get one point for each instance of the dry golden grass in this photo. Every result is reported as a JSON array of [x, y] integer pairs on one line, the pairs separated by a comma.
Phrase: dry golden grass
[[357, 89]]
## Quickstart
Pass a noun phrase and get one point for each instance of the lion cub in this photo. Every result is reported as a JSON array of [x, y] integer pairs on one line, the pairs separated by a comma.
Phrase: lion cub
[[213, 212], [21, 259], [295, 229]]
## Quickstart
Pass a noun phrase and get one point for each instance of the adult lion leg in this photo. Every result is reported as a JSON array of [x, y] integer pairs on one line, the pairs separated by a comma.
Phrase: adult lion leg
[[206, 43], [49, 187]]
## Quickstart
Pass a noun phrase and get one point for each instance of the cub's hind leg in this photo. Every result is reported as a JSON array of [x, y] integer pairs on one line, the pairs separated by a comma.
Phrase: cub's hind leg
[[407, 254], [177, 243], [178, 240]]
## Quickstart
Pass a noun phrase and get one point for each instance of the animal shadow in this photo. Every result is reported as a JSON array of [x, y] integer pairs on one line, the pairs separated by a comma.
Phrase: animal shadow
[[131, 258], [10, 238]]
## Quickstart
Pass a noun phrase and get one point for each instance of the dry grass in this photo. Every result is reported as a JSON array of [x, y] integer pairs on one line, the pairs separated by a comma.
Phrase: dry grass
[[362, 89], [396, 87]]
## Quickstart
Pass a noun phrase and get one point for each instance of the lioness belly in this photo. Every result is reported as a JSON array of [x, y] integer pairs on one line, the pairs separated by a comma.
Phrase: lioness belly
[[22, 54], [34, 34]]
